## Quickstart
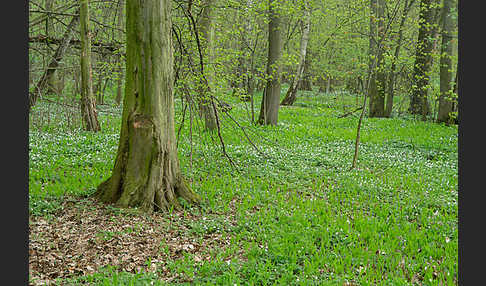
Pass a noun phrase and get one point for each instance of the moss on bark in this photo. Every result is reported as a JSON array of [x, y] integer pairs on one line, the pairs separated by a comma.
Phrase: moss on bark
[[147, 172]]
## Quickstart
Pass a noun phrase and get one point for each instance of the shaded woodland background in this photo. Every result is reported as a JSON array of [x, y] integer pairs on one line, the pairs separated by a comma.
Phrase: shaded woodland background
[[226, 44]]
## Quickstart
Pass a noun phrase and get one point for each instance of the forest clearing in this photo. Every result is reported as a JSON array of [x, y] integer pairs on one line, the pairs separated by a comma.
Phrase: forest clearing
[[165, 151]]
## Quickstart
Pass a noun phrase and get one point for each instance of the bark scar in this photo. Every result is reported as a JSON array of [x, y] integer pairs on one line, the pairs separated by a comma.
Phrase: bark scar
[[141, 121]]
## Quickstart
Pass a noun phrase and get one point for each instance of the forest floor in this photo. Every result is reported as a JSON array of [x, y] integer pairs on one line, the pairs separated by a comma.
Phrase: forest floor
[[296, 216]]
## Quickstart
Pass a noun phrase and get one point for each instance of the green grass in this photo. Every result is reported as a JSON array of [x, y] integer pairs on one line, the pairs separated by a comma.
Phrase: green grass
[[302, 217]]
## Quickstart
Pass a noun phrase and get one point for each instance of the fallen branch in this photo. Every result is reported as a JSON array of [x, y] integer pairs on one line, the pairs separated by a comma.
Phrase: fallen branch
[[351, 112], [111, 47]]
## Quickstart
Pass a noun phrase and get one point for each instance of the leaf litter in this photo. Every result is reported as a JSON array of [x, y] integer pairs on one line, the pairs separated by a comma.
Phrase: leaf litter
[[84, 236]]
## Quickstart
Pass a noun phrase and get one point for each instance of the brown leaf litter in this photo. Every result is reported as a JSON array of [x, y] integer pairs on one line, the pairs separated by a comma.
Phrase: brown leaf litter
[[86, 235]]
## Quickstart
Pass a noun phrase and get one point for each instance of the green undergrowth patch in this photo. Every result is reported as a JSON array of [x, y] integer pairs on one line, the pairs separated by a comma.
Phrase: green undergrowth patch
[[301, 216], [112, 276]]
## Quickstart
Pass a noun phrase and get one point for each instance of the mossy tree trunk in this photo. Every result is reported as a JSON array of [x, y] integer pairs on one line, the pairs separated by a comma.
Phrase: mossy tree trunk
[[271, 96], [423, 59], [446, 87], [88, 105], [147, 173], [205, 28], [377, 84]]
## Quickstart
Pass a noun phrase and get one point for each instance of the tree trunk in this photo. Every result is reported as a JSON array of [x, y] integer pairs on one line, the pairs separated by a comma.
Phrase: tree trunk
[[291, 95], [392, 75], [98, 87], [205, 101], [271, 97], [119, 87], [455, 104], [321, 84], [57, 57], [305, 83], [88, 102], [49, 22], [147, 172], [446, 95], [242, 68], [52, 84], [120, 69], [378, 79], [423, 59]]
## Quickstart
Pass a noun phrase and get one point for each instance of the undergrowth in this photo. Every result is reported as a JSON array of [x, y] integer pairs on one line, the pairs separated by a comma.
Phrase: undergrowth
[[303, 217]]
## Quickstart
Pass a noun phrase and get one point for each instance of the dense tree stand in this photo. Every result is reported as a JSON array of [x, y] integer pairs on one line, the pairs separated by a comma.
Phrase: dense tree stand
[[147, 172]]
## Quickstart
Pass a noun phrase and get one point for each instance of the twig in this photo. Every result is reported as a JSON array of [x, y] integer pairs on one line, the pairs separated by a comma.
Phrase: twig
[[351, 112]]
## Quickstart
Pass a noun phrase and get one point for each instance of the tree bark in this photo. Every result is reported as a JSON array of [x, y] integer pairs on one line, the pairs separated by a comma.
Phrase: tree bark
[[205, 101], [378, 79], [306, 82], [120, 69], [52, 84], [271, 97], [291, 95], [147, 172], [56, 58], [446, 88], [423, 59], [88, 102], [392, 75]]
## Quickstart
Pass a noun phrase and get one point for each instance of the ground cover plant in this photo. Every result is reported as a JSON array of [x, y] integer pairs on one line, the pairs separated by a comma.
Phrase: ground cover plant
[[295, 215]]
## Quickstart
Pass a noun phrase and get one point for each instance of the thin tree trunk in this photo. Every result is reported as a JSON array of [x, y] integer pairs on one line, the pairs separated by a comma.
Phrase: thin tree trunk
[[455, 103], [271, 97], [119, 87], [88, 101], [56, 58], [51, 79], [392, 75], [120, 69], [242, 68], [446, 88], [305, 82], [291, 95], [378, 79], [372, 65], [147, 172], [49, 22], [98, 86]]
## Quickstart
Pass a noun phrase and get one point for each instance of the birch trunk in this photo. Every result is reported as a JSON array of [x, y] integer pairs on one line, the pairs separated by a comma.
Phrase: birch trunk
[[291, 95]]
